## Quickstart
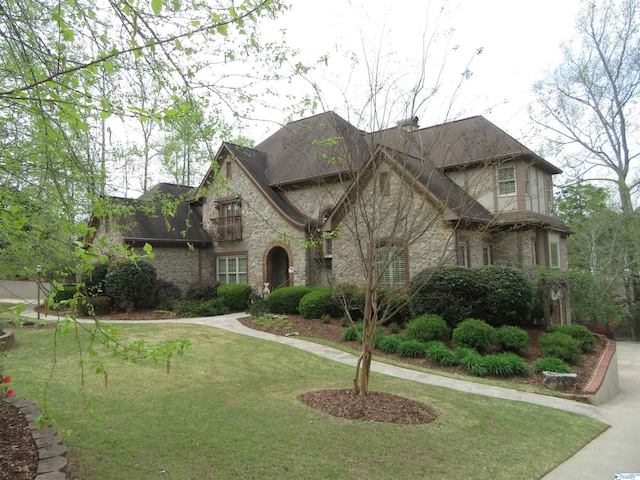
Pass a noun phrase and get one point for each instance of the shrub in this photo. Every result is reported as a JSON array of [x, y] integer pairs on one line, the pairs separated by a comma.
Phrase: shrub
[[131, 284], [201, 290], [394, 305], [166, 291], [474, 333], [507, 297], [507, 362], [394, 327], [285, 300], [94, 280], [438, 353], [199, 308], [64, 292], [353, 298], [578, 332], [317, 303], [496, 294], [390, 343], [560, 345], [352, 334], [258, 306], [427, 328], [498, 366], [234, 296], [325, 318], [99, 305], [551, 364], [472, 362], [441, 291], [506, 365], [512, 339], [412, 349]]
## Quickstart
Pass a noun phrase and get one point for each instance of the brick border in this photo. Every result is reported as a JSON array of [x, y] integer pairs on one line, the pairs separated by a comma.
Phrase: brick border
[[52, 454], [601, 371]]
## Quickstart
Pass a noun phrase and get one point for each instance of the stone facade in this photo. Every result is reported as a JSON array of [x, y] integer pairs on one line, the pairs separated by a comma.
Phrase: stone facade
[[263, 228]]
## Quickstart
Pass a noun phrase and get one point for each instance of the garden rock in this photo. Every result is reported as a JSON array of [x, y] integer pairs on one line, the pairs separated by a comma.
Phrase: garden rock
[[559, 381]]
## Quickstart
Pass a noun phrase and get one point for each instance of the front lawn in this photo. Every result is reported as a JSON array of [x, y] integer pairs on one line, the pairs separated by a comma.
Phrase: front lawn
[[228, 409]]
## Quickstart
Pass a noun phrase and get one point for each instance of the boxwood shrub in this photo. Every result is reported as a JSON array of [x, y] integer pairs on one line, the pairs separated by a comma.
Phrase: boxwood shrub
[[285, 300], [427, 328], [578, 332], [512, 339], [560, 345], [317, 303], [234, 296], [474, 333]]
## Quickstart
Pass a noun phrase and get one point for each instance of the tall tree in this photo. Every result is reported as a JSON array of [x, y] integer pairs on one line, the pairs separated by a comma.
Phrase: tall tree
[[589, 105]]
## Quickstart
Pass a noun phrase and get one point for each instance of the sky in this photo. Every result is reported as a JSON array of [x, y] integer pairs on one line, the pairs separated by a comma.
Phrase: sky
[[503, 46]]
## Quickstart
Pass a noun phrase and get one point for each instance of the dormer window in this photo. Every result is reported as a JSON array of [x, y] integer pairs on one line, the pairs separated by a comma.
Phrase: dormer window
[[506, 181]]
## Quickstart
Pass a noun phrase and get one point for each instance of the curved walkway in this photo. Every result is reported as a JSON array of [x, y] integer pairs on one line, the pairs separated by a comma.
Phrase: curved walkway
[[615, 451]]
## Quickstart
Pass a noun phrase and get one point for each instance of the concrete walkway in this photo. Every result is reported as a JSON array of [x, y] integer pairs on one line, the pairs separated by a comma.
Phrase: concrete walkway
[[615, 451]]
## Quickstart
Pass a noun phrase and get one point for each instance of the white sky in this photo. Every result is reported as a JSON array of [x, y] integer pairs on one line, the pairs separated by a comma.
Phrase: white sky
[[519, 41]]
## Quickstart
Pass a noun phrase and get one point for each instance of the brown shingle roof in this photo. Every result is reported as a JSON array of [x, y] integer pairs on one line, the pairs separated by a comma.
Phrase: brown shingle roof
[[145, 220]]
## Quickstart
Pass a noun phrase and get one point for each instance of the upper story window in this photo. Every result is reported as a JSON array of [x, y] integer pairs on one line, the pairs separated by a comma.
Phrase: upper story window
[[548, 192], [229, 170], [527, 180], [228, 225], [506, 181]]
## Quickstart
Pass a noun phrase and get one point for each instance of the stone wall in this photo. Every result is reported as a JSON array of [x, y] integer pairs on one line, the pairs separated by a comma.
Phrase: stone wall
[[262, 226], [182, 265]]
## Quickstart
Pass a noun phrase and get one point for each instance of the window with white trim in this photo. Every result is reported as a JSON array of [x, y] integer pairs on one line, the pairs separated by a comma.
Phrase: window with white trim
[[232, 269], [527, 180], [506, 181], [392, 259]]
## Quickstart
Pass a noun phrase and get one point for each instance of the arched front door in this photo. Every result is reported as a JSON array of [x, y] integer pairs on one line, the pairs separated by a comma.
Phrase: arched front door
[[278, 268]]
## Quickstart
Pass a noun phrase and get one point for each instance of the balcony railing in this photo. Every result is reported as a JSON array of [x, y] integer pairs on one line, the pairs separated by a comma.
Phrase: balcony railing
[[226, 229]]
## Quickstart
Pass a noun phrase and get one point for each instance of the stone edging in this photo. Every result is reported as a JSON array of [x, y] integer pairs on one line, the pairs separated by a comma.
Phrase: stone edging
[[52, 454]]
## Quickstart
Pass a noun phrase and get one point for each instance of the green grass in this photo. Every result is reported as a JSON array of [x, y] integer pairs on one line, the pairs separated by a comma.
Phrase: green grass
[[228, 409]]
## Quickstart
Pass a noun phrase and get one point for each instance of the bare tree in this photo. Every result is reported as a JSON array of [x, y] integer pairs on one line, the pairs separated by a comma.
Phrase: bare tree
[[588, 104]]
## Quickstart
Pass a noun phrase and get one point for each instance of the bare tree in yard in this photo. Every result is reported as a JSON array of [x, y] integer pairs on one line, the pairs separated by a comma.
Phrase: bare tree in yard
[[387, 200], [392, 207], [589, 103]]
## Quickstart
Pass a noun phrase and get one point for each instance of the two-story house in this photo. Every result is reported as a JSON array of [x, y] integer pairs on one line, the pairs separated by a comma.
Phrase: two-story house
[[309, 203]]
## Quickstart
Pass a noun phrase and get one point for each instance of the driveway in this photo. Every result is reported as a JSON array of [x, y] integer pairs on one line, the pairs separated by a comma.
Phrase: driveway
[[618, 449]]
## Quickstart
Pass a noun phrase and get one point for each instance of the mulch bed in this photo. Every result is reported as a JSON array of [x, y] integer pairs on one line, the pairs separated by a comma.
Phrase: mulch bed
[[333, 331]]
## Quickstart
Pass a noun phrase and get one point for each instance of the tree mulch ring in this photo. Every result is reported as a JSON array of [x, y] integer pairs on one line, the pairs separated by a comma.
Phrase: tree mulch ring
[[374, 407]]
